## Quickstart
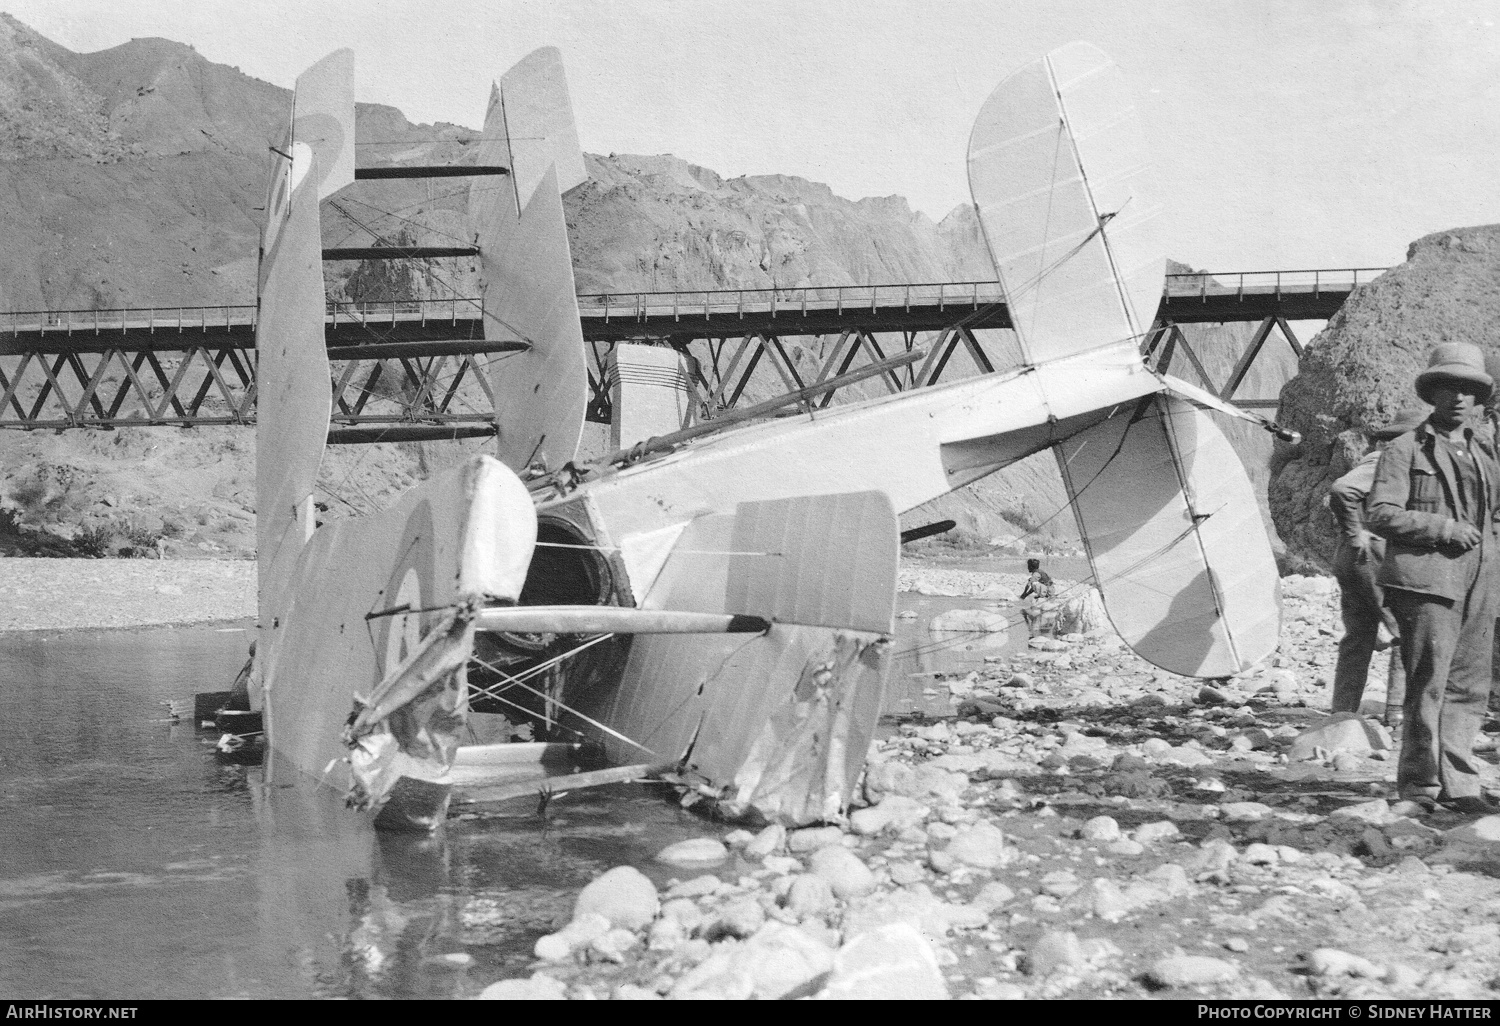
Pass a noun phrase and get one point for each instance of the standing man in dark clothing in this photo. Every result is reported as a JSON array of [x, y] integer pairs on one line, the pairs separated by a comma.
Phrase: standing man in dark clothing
[[1490, 426], [1356, 565], [1434, 499]]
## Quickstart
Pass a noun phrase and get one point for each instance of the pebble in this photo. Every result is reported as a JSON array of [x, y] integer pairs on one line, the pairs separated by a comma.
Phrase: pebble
[[1191, 971], [1244, 812], [1339, 733], [842, 870], [809, 895], [1100, 828], [1333, 962], [1261, 855], [780, 959], [540, 987], [800, 842], [1151, 833], [666, 935], [737, 839], [890, 963], [623, 895], [698, 851], [993, 895], [1054, 950], [556, 947], [740, 917], [771, 839], [981, 846]]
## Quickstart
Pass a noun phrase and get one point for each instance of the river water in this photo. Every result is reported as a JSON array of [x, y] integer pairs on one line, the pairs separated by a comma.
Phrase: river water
[[135, 864]]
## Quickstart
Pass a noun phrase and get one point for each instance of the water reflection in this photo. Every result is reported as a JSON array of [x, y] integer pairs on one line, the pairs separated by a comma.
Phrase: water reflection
[[923, 659], [134, 864]]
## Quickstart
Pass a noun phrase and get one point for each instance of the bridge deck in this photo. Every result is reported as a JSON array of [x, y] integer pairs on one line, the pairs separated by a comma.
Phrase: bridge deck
[[613, 317]]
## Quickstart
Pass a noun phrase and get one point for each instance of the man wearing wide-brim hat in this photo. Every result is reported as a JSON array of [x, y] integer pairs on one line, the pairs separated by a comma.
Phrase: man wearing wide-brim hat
[[1356, 566], [1434, 500]]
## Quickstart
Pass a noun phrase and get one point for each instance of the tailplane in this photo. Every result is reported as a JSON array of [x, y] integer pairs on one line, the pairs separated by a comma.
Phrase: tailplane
[[1061, 180], [540, 393], [293, 399], [1175, 538]]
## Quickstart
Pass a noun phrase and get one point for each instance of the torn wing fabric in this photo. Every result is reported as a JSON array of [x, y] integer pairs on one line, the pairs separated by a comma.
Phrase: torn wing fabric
[[1059, 175], [1175, 538]]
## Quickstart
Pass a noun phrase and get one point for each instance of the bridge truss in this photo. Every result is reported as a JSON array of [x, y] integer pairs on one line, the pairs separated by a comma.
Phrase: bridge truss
[[424, 366]]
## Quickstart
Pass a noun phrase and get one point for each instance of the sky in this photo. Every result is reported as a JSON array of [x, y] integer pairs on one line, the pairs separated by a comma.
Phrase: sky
[[1286, 133]]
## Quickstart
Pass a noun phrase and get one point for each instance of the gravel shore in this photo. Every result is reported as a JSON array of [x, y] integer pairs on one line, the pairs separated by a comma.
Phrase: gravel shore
[[1079, 824], [78, 594]]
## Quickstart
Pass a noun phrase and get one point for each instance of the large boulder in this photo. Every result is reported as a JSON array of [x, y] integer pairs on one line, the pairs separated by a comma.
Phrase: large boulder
[[1357, 373]]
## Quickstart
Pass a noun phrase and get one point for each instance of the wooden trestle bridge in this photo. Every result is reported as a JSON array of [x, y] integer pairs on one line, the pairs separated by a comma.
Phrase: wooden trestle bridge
[[424, 363]]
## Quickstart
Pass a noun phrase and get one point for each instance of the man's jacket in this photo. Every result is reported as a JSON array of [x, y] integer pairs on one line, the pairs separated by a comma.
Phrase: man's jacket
[[1346, 501], [1414, 506]]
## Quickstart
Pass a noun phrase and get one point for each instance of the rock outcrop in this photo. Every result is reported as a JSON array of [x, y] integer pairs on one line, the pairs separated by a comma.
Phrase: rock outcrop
[[1357, 373]]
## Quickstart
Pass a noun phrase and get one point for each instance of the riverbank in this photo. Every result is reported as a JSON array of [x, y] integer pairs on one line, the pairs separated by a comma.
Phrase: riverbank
[[1079, 824], [94, 594], [45, 594]]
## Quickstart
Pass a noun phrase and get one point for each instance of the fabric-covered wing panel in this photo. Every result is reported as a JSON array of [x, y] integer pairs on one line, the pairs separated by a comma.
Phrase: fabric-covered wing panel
[[1057, 172], [541, 395], [1175, 538], [293, 400], [819, 560]]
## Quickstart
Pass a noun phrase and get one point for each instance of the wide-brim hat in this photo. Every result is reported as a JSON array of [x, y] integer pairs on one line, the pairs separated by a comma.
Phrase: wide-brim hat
[[1456, 361], [1407, 420]]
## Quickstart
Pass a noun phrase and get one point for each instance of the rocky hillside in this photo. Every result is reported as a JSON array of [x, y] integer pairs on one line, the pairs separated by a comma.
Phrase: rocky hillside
[[131, 177], [1358, 372]]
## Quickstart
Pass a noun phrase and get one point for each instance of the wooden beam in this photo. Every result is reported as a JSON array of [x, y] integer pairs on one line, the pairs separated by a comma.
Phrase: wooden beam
[[409, 350], [1286, 331], [1257, 342], [1197, 364], [613, 620], [429, 171], [676, 438], [409, 433], [397, 252], [478, 793]]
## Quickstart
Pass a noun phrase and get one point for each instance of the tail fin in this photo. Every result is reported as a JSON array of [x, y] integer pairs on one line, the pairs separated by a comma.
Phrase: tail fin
[[1060, 176], [540, 394], [1175, 538], [293, 399]]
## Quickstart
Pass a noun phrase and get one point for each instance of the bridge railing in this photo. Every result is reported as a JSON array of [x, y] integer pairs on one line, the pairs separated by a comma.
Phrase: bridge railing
[[228, 316], [838, 299], [178, 318], [1265, 283], [702, 304]]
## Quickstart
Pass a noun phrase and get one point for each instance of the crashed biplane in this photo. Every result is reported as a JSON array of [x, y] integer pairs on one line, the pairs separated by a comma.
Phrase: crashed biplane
[[718, 607]]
